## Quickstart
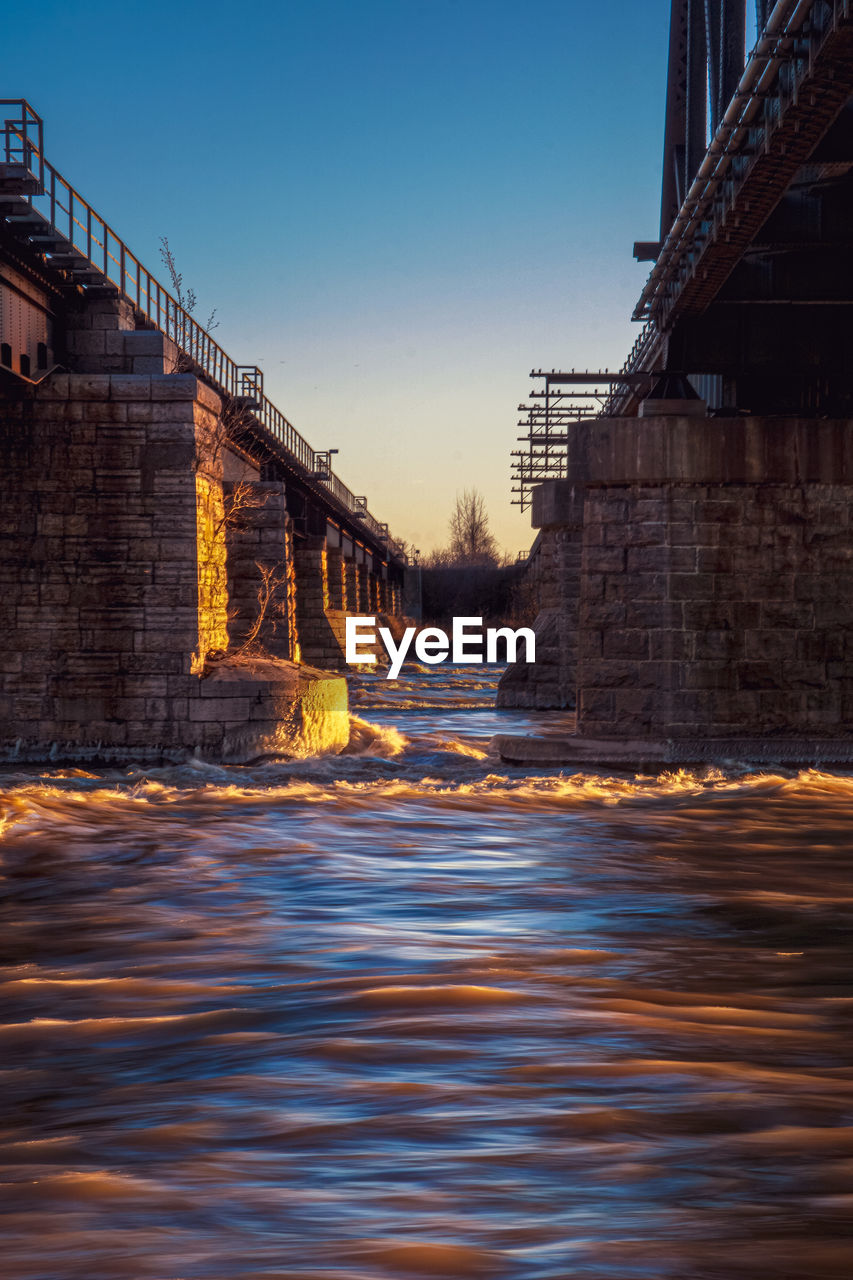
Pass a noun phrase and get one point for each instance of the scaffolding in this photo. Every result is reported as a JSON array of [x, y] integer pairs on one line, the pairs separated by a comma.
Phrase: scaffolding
[[565, 400]]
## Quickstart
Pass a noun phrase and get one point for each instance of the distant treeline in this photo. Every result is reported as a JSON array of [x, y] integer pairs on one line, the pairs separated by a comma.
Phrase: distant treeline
[[497, 594]]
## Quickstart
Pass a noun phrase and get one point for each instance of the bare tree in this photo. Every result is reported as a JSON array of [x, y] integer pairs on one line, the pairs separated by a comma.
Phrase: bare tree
[[273, 579], [471, 540], [185, 297]]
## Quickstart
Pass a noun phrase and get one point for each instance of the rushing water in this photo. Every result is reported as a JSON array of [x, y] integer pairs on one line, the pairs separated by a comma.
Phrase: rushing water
[[407, 1012]]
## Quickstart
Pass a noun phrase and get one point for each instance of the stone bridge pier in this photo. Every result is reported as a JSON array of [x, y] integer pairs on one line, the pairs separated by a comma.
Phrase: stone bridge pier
[[162, 573], [698, 581], [336, 579]]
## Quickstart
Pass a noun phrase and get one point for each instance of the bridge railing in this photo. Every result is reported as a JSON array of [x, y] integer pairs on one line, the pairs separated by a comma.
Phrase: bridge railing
[[22, 146], [644, 345], [82, 234]]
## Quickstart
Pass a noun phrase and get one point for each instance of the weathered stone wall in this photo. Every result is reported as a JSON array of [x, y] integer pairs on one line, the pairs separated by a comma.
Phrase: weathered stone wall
[[707, 577], [211, 549], [724, 609], [102, 605], [136, 539], [362, 600], [99, 602], [317, 643], [551, 681], [100, 336], [350, 584], [336, 578]]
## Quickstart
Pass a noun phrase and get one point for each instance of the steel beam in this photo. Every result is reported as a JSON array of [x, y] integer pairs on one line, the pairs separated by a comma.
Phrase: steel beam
[[675, 124], [732, 51], [696, 131]]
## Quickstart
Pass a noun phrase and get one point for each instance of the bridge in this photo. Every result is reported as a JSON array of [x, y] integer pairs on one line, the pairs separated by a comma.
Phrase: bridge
[[695, 549], [163, 520]]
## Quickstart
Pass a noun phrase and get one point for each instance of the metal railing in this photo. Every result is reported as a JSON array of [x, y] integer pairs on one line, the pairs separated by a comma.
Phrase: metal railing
[[637, 361], [78, 232], [23, 139]]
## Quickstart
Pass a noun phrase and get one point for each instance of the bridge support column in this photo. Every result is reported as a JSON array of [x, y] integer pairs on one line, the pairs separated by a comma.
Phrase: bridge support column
[[372, 592], [320, 625], [336, 572], [351, 581], [551, 681], [113, 583], [312, 599], [362, 589], [715, 589], [261, 578]]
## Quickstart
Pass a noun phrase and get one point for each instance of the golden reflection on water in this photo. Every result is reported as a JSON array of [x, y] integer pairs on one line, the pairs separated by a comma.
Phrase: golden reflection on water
[[406, 1013]]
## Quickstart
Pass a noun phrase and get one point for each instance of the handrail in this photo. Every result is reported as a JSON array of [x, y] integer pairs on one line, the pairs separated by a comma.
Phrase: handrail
[[643, 344], [84, 233]]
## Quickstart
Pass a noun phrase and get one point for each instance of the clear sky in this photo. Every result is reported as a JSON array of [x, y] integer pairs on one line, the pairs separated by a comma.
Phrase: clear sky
[[398, 207]]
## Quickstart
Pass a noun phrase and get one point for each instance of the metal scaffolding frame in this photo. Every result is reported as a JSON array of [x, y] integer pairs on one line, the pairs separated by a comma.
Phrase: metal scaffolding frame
[[551, 415]]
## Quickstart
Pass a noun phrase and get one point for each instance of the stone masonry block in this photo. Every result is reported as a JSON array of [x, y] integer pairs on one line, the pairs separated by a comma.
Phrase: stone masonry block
[[89, 386], [85, 342], [170, 387], [130, 386]]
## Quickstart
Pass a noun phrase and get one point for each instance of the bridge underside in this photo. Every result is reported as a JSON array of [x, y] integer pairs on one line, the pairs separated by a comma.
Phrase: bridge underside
[[778, 333], [752, 284]]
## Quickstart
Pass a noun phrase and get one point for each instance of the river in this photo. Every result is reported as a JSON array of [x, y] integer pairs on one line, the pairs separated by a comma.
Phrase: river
[[408, 1012]]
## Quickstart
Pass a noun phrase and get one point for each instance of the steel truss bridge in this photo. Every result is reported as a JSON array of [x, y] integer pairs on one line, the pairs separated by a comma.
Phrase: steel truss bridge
[[45, 223], [751, 288]]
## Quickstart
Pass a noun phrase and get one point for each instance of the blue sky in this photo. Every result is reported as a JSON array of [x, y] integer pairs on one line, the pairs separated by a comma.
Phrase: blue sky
[[398, 207]]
